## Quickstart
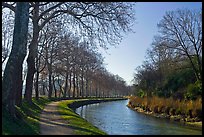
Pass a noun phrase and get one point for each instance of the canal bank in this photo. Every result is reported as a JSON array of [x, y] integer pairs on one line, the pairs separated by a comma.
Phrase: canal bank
[[81, 126], [169, 114], [82, 102]]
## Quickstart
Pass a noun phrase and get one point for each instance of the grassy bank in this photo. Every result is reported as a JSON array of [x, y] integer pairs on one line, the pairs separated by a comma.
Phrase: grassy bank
[[80, 125], [28, 123], [188, 112]]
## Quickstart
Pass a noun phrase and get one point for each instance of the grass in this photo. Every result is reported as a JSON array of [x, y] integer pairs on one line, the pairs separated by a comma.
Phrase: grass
[[28, 124], [80, 125]]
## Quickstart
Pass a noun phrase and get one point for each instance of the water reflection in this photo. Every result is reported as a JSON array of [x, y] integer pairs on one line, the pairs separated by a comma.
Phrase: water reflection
[[117, 119]]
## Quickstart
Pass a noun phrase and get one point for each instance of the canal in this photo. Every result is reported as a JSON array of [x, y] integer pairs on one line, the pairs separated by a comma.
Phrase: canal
[[115, 118]]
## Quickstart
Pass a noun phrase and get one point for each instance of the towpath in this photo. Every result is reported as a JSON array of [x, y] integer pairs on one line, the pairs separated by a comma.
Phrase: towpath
[[51, 123]]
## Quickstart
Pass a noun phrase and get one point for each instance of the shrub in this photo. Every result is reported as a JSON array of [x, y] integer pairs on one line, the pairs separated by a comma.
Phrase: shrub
[[178, 111], [141, 93], [194, 90]]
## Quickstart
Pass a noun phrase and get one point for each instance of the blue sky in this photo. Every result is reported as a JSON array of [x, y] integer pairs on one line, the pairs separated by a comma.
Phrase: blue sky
[[130, 53]]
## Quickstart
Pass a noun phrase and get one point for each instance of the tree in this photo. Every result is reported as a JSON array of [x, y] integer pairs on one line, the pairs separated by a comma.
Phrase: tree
[[12, 78], [160, 56], [97, 23], [40, 62], [173, 63], [183, 29]]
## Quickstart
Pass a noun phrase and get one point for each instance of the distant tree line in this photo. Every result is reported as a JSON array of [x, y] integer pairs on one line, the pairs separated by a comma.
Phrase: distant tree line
[[173, 65], [60, 41]]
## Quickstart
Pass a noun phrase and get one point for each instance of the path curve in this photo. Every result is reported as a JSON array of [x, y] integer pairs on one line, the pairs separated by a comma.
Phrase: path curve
[[51, 123]]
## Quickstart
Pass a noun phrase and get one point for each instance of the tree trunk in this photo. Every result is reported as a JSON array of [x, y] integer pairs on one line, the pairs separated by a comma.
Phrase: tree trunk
[[70, 84], [77, 86], [66, 85], [32, 55], [60, 91], [82, 83], [96, 90], [29, 79], [53, 80], [196, 72], [74, 85], [90, 88], [99, 91], [36, 86], [50, 85], [12, 78], [86, 88]]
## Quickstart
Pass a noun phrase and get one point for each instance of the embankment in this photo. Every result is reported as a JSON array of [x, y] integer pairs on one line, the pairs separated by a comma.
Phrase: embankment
[[161, 110], [81, 102], [80, 125]]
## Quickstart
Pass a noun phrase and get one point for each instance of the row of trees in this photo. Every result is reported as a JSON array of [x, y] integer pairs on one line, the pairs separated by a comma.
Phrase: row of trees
[[173, 66], [62, 39], [71, 68]]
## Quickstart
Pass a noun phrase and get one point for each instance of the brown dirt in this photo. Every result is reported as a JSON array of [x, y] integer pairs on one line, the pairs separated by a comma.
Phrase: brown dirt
[[51, 123]]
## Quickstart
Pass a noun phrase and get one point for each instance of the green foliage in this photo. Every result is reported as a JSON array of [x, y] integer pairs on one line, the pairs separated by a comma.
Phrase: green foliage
[[28, 121], [194, 90], [15, 126], [162, 92], [176, 82], [178, 111], [180, 79], [141, 93], [179, 84], [172, 84]]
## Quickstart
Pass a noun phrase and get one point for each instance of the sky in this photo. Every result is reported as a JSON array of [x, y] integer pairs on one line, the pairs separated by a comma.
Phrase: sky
[[131, 52]]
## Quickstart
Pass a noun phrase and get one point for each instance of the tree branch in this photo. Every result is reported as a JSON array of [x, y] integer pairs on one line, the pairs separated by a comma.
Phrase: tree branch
[[6, 5]]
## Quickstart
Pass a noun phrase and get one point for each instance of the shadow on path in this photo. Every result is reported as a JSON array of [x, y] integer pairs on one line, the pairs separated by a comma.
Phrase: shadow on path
[[51, 122]]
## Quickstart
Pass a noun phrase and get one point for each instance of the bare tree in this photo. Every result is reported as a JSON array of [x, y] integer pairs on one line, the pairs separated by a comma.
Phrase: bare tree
[[100, 23], [183, 29], [95, 21], [40, 61]]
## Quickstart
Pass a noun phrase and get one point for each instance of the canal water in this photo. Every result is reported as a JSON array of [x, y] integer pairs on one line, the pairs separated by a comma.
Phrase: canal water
[[115, 118]]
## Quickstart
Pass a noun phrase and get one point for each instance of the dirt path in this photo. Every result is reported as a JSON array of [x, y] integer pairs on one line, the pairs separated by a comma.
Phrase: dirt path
[[51, 123]]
